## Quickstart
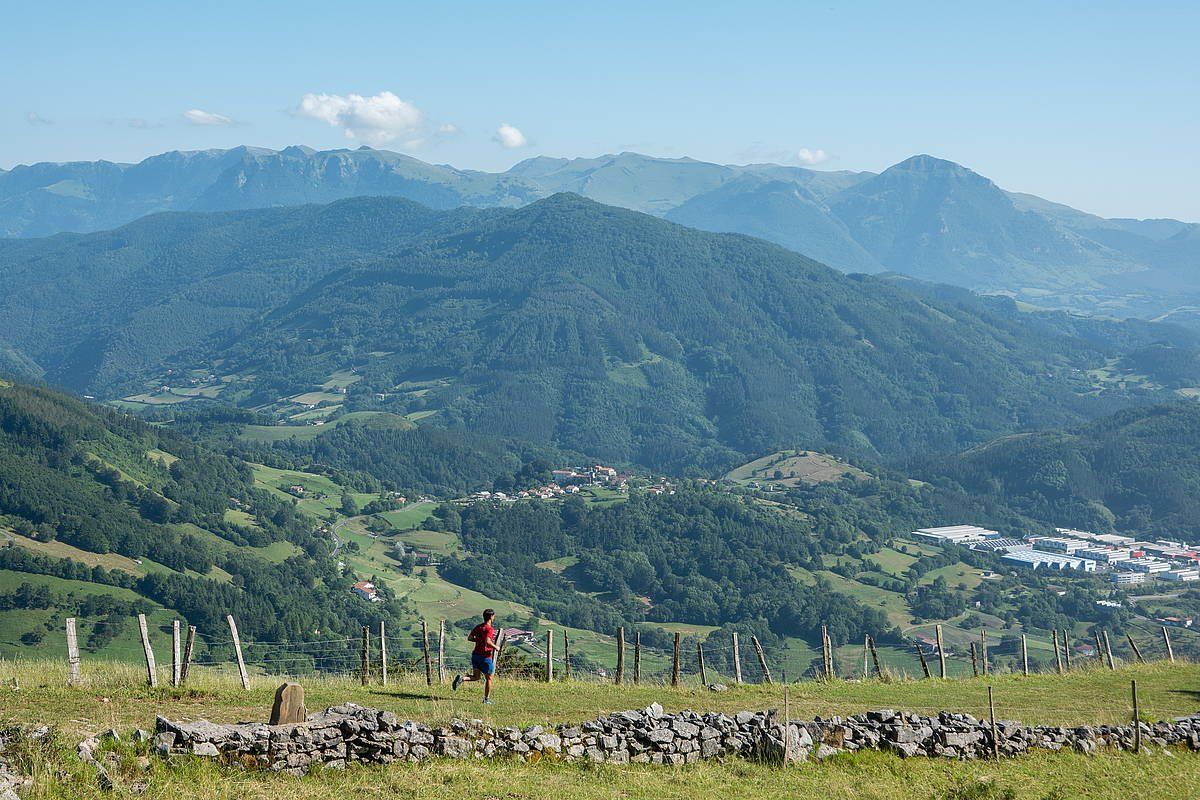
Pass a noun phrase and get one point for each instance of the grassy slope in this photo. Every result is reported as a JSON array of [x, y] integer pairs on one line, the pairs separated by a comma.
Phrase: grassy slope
[[114, 696]]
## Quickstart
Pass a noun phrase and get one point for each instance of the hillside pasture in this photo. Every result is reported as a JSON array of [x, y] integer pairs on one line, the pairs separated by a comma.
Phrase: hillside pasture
[[795, 467]]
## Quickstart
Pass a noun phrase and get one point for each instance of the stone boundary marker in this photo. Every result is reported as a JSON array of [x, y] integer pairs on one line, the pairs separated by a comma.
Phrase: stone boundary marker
[[353, 734]]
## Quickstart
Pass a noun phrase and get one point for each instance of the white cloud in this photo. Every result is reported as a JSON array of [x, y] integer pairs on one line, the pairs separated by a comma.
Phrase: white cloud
[[34, 118], [811, 158], [198, 117], [510, 136], [375, 120]]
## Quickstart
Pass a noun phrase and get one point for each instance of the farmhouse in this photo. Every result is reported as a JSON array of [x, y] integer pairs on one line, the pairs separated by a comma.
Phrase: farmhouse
[[366, 590]]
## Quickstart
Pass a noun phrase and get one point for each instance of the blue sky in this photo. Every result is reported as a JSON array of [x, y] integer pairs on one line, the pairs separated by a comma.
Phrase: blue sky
[[1093, 104]]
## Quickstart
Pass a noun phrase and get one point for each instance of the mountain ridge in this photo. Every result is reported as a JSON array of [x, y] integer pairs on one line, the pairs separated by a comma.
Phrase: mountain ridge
[[925, 217]]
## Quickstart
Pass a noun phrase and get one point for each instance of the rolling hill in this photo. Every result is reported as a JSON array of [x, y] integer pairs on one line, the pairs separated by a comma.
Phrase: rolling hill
[[103, 517], [564, 323]]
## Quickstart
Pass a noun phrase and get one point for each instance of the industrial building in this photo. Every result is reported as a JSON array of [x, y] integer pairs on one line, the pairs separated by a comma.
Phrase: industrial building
[[1038, 559], [1187, 574], [1150, 566], [955, 534]]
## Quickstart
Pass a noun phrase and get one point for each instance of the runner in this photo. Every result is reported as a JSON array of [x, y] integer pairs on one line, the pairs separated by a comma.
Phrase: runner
[[483, 658]]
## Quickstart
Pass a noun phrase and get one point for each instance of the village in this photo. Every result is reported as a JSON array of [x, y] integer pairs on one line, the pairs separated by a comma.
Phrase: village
[[568, 481]]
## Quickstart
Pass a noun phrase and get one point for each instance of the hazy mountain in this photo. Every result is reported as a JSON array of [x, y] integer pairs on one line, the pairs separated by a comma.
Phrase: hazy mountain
[[565, 323], [923, 217], [780, 211], [629, 180]]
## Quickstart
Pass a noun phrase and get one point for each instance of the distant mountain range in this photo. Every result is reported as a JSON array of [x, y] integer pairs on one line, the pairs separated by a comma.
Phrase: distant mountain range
[[563, 323], [924, 217]]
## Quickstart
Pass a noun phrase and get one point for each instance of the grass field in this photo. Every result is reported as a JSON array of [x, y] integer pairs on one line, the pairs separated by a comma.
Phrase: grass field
[[269, 434], [49, 623], [794, 467], [57, 549], [115, 696], [410, 516]]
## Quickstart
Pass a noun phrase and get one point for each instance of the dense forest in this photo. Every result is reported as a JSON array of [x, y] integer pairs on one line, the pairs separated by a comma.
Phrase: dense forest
[[697, 556], [565, 324]]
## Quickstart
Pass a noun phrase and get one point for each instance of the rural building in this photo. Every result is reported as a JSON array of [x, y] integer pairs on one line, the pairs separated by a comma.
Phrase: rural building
[[366, 590], [518, 636]]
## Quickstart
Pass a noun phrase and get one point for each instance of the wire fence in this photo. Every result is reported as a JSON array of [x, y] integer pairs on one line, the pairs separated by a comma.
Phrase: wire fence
[[688, 662]]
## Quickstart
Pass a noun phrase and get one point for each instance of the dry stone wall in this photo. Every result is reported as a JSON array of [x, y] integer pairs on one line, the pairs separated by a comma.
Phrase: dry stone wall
[[349, 733], [12, 782]]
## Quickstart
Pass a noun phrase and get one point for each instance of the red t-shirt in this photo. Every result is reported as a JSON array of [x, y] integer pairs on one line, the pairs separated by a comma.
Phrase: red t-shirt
[[480, 635]]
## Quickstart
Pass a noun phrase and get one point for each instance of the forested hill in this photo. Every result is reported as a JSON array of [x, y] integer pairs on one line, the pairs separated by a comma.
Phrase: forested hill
[[102, 516], [566, 322], [1137, 471]]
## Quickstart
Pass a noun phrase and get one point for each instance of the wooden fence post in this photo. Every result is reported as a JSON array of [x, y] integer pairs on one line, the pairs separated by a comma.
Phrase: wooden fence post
[[619, 677], [941, 653], [637, 657], [151, 669], [187, 654], [700, 658], [365, 655], [875, 658], [824, 653], [1066, 648], [175, 665], [992, 717], [983, 659], [1108, 651], [675, 661], [566, 656], [1057, 654], [1137, 723], [974, 662], [762, 658], [866, 651], [1137, 652], [425, 652], [73, 653], [1024, 655], [383, 664], [237, 651], [737, 660], [441, 651], [500, 651], [831, 668], [921, 655], [549, 656], [787, 725], [1167, 642]]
